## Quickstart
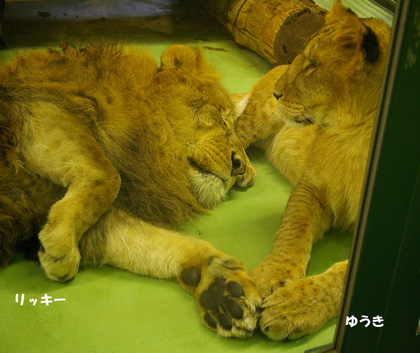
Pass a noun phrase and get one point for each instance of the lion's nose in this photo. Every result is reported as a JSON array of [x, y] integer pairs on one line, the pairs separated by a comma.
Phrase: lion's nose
[[277, 95], [238, 166]]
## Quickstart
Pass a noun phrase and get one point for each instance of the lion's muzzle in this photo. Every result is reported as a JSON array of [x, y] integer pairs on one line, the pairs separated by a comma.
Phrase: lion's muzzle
[[214, 159]]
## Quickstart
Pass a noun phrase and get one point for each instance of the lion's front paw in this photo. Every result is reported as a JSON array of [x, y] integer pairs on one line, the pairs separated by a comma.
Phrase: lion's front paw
[[228, 298], [298, 308], [246, 180], [61, 269], [268, 277], [59, 256]]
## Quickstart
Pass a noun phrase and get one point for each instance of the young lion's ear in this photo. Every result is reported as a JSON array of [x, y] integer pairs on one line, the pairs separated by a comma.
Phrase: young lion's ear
[[356, 43], [370, 46], [181, 56]]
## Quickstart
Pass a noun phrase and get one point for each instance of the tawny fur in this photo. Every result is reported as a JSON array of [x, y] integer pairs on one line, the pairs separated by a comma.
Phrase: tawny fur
[[103, 151], [109, 85], [317, 132]]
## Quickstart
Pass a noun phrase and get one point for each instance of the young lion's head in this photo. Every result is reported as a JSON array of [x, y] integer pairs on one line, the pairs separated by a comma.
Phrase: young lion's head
[[337, 77]]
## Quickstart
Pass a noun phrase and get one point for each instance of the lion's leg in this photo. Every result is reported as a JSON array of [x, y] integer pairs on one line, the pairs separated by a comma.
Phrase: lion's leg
[[306, 218], [257, 118], [65, 153], [228, 298], [295, 305]]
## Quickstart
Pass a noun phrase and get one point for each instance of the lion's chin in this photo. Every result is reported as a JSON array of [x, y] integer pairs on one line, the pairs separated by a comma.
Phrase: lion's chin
[[208, 189]]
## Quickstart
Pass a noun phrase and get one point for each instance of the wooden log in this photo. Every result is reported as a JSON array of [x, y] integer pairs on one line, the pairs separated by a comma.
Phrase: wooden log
[[275, 29]]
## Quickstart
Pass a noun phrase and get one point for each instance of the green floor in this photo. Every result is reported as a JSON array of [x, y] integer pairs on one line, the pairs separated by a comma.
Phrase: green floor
[[108, 310]]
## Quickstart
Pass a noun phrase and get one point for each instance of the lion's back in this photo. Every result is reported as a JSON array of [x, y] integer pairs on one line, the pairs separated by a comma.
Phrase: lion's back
[[100, 88], [82, 66]]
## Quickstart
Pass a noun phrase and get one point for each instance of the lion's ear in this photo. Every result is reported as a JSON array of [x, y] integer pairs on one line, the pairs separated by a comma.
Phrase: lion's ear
[[356, 42], [239, 101], [338, 12], [190, 61], [181, 56], [370, 46]]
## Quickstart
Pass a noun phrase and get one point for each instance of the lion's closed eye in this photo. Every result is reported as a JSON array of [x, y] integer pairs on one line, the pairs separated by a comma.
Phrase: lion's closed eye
[[310, 64]]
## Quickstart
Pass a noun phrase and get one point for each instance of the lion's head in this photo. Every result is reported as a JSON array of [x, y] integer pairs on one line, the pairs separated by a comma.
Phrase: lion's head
[[189, 146], [215, 155], [337, 77]]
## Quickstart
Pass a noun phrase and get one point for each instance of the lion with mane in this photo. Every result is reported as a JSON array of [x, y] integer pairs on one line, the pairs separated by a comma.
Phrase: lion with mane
[[103, 152]]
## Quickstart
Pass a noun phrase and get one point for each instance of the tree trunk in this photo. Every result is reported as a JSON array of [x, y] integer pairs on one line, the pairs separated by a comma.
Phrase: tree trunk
[[275, 29]]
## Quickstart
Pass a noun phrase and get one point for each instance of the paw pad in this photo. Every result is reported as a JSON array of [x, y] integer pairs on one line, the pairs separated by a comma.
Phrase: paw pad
[[234, 309], [191, 276], [235, 289], [228, 298], [220, 305]]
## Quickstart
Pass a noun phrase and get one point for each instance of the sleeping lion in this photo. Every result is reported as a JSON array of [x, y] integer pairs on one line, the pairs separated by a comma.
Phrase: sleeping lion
[[103, 152], [314, 119]]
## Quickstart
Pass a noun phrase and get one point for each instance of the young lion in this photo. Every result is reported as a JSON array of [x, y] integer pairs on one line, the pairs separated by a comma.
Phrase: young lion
[[102, 152], [316, 130]]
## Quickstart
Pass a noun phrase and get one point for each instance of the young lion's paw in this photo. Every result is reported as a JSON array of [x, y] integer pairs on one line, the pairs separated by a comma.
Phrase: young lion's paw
[[298, 308], [247, 179], [228, 298]]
